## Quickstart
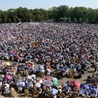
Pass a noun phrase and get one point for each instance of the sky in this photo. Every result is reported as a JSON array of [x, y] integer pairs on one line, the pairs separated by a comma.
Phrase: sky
[[46, 4]]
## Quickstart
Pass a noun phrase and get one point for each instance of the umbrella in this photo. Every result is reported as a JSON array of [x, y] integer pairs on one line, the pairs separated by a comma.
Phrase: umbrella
[[33, 76], [29, 77], [8, 63], [41, 67], [22, 84], [9, 77], [47, 83], [85, 86], [39, 81], [76, 84], [96, 77], [54, 91], [38, 85], [29, 84], [48, 78], [94, 90], [29, 64], [54, 79], [55, 83]]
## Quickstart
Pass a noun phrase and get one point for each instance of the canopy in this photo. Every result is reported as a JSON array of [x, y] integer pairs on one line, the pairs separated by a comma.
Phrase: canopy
[[29, 64], [47, 83], [85, 86], [22, 84], [29, 84], [94, 90], [41, 67], [55, 83], [54, 79], [9, 77], [76, 84], [39, 81], [29, 77], [48, 78], [33, 76], [38, 85], [54, 91], [8, 63]]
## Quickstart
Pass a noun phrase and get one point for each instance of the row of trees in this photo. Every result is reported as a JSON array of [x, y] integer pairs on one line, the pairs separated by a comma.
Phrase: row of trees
[[61, 13]]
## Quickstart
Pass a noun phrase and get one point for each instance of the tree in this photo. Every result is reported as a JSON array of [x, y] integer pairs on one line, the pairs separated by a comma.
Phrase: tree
[[86, 20], [54, 13], [69, 19], [62, 11], [76, 14], [91, 15], [75, 20], [22, 13], [96, 19], [10, 14], [1, 12], [1, 20], [71, 13], [9, 20], [4, 16], [80, 20], [14, 20]]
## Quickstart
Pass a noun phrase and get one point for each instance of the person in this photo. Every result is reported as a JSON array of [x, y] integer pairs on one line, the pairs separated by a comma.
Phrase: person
[[96, 66], [5, 88], [65, 44]]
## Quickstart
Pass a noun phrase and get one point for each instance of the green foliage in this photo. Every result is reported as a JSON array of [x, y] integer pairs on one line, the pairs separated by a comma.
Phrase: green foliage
[[69, 19], [75, 20], [9, 20], [80, 20], [61, 13], [14, 20], [1, 20], [5, 20]]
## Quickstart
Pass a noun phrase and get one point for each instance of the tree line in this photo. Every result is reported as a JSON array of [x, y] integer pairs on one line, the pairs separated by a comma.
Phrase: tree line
[[58, 14]]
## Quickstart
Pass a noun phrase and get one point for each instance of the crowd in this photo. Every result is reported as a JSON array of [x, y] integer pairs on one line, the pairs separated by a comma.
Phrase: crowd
[[32, 50]]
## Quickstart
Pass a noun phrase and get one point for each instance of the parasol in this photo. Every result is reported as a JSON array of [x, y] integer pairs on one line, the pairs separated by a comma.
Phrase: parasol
[[85, 86], [38, 85], [48, 78], [94, 90], [9, 77], [47, 83], [33, 76], [22, 84], [54, 91], [76, 84], [8, 63], [54, 79], [39, 81], [29, 64], [55, 83], [29, 77]]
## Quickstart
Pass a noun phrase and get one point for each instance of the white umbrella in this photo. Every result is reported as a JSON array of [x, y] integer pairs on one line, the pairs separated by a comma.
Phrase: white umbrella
[[40, 81], [47, 83], [33, 76], [38, 85], [29, 77], [41, 67], [54, 91], [54, 79]]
